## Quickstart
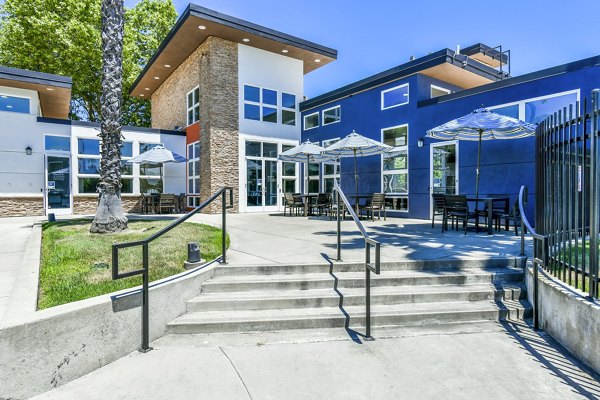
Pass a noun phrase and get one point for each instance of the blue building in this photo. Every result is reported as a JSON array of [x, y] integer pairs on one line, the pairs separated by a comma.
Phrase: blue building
[[399, 105]]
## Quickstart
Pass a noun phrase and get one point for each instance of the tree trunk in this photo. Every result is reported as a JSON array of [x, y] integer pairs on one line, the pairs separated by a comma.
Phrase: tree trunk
[[109, 215]]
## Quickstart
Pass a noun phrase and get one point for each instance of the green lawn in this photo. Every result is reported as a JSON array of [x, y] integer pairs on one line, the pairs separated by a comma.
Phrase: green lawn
[[75, 263]]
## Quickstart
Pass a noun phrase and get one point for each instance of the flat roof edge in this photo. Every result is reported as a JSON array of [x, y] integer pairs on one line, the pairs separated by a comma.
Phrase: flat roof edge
[[42, 78], [97, 125]]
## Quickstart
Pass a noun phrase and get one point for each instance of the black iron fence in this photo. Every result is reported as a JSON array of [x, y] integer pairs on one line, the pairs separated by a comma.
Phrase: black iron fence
[[144, 270], [568, 195]]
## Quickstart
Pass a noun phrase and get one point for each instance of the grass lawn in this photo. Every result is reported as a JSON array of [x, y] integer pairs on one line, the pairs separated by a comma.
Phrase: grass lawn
[[76, 264], [575, 257]]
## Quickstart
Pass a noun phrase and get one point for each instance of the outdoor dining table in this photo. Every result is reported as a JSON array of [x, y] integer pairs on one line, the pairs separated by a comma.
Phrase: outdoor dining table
[[308, 199], [489, 203]]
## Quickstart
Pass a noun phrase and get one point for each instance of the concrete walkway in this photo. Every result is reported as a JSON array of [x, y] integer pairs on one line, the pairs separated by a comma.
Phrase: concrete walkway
[[264, 238], [15, 237], [478, 361]]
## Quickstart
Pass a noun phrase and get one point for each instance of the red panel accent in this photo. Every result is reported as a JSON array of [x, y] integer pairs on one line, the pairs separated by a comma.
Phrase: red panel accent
[[192, 133]]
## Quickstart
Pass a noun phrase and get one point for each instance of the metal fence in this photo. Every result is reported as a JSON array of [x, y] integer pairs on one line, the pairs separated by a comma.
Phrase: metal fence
[[568, 194]]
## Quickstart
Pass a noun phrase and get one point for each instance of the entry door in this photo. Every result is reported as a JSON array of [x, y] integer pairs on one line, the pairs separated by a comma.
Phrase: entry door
[[444, 168], [261, 185], [58, 185]]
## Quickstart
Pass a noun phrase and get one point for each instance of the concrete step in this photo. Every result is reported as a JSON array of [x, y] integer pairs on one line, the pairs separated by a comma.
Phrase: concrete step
[[415, 265], [280, 299], [409, 314], [242, 283]]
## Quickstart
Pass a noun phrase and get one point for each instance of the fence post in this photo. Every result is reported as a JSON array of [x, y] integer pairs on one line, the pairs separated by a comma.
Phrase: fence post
[[224, 227], [145, 305], [339, 225]]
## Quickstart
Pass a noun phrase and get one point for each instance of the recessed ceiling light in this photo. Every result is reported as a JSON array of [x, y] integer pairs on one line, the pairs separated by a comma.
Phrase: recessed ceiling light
[[284, 51], [147, 88], [8, 106], [201, 27], [167, 65], [49, 88], [141, 94], [156, 77], [317, 60], [246, 40]]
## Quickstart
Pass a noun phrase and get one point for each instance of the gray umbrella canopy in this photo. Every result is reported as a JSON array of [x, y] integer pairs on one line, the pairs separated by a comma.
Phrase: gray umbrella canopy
[[157, 156], [355, 145], [482, 124]]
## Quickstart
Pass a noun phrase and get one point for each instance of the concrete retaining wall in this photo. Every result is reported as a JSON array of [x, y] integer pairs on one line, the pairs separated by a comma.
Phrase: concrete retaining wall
[[40, 350], [569, 317]]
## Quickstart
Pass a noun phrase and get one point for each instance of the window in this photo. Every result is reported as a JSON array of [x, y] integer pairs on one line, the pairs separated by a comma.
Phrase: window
[[332, 115], [437, 91], [394, 97], [288, 109], [509, 111], [288, 173], [395, 168], [88, 165], [57, 143], [313, 178], [311, 121], [331, 170], [88, 147], [193, 187], [537, 109], [14, 104], [193, 106], [260, 104]]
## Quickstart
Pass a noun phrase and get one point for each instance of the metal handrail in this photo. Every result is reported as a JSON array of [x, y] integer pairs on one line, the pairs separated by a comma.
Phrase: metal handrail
[[368, 243], [222, 192]]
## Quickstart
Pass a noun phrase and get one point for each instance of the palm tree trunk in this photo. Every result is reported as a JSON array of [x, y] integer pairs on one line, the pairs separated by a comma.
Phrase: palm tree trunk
[[109, 215]]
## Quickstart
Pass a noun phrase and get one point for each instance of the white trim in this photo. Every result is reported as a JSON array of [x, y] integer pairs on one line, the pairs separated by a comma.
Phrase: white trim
[[383, 92], [310, 115], [339, 107], [456, 169], [441, 89]]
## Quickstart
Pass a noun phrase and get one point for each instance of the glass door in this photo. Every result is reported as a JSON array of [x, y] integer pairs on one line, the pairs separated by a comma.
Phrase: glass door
[[58, 185], [444, 168]]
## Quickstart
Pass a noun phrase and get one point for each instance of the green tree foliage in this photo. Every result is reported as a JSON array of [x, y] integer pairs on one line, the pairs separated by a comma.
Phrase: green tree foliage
[[63, 37]]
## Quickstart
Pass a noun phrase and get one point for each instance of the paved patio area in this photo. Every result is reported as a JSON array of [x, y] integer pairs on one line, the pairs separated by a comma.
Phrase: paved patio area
[[273, 238]]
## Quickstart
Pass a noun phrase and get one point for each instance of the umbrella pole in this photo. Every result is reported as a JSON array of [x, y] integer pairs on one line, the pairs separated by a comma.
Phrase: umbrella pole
[[306, 190], [478, 163], [355, 184]]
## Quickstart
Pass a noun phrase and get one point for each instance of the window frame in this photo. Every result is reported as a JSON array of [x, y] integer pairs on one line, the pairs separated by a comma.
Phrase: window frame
[[326, 143], [192, 107], [521, 103], [339, 107], [396, 171], [28, 98], [262, 105], [193, 199], [383, 92], [441, 89], [310, 115], [288, 109]]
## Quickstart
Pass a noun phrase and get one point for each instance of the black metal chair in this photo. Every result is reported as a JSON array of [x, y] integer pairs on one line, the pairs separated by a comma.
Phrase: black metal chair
[[514, 215], [181, 206], [456, 209], [438, 206], [498, 208], [376, 204], [323, 204]]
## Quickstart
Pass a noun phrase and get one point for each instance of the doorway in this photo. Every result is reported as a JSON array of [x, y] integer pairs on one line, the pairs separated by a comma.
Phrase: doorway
[[58, 185], [444, 168]]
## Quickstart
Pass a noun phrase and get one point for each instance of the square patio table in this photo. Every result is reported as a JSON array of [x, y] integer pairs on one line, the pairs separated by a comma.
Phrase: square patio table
[[489, 202]]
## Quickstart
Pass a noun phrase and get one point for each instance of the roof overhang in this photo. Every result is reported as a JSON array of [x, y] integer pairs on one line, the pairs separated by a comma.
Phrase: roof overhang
[[54, 90], [186, 36], [486, 54]]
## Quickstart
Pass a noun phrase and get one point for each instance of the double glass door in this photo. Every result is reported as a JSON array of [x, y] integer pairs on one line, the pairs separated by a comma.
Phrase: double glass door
[[261, 184]]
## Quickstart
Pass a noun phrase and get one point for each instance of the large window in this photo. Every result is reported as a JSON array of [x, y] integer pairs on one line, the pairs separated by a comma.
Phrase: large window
[[331, 170], [14, 104], [288, 109], [313, 178], [193, 106], [395, 167], [193, 155], [288, 173], [260, 104], [332, 115], [311, 121], [537, 109], [394, 97], [57, 143]]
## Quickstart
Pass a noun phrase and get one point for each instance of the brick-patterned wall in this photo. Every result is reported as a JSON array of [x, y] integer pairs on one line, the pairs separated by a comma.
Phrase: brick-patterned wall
[[86, 205], [21, 206], [169, 107], [219, 124]]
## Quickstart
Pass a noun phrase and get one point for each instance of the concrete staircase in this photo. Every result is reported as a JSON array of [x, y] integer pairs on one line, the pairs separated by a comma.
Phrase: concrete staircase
[[277, 297]]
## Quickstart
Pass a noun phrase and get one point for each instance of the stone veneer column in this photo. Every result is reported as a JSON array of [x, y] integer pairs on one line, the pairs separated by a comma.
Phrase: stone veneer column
[[219, 124]]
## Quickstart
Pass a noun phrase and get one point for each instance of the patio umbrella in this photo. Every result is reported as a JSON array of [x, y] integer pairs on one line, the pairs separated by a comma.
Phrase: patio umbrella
[[306, 152], [482, 124], [157, 156], [355, 145]]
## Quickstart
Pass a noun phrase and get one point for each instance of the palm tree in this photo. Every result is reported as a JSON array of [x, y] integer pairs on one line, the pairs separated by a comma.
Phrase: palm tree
[[109, 215]]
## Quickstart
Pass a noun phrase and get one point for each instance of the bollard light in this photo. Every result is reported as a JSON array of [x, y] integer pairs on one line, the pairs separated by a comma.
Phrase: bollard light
[[193, 252]]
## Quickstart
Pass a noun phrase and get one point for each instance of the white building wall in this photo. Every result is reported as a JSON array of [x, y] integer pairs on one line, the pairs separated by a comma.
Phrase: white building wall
[[32, 95], [174, 174]]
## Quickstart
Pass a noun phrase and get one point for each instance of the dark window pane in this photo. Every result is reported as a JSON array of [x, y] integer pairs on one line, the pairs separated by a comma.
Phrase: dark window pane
[[88, 146], [150, 186], [251, 93], [331, 116], [288, 117], [395, 136], [14, 104], [196, 113], [197, 150], [313, 169], [196, 95], [88, 185], [190, 99], [286, 147], [127, 149], [149, 170], [197, 168], [190, 168], [269, 97], [88, 166], [191, 186], [126, 168], [331, 169], [269, 114], [289, 186], [288, 100], [58, 143], [252, 112], [270, 150], [395, 97], [190, 117], [253, 149], [311, 121], [313, 186], [126, 185], [393, 163], [289, 169]]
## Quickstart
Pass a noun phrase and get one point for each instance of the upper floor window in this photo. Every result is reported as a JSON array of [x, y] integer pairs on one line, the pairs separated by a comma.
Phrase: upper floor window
[[14, 104], [193, 106], [535, 110], [311, 121], [260, 104], [437, 91], [332, 115], [394, 97], [288, 109], [395, 169], [57, 143]]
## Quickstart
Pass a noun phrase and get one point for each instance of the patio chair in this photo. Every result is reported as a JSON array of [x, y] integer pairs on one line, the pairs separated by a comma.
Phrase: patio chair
[[514, 215], [166, 202], [323, 203], [289, 203], [375, 204], [456, 209], [498, 208], [438, 206]]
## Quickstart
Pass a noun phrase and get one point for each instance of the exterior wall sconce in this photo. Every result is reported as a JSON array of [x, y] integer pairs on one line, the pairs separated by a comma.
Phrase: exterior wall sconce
[[28, 150], [420, 142]]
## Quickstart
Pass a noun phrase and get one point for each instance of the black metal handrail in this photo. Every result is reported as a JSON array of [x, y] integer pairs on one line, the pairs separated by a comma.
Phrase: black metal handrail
[[341, 197], [222, 192]]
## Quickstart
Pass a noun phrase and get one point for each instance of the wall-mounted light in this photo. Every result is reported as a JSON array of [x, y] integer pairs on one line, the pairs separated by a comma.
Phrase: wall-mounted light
[[420, 142], [28, 150]]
